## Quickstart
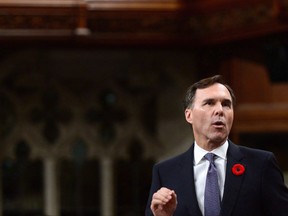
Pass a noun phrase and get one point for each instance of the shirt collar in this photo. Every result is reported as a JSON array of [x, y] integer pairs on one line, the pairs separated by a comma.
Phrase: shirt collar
[[199, 152]]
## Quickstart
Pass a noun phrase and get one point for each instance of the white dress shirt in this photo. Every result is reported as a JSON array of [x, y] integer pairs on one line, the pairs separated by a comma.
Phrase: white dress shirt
[[201, 166]]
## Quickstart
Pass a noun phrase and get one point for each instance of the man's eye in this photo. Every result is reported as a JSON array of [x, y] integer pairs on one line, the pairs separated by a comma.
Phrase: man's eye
[[227, 104], [208, 103]]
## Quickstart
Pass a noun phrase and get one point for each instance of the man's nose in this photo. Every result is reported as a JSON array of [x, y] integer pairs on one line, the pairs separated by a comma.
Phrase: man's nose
[[218, 109]]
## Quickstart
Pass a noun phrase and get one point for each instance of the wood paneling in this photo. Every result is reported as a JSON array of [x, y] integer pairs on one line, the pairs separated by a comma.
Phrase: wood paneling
[[192, 23], [258, 108]]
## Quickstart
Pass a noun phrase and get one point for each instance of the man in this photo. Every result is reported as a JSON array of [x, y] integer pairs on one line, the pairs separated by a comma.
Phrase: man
[[249, 182]]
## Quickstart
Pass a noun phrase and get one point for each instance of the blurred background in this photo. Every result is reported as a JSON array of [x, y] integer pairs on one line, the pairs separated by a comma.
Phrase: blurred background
[[91, 92]]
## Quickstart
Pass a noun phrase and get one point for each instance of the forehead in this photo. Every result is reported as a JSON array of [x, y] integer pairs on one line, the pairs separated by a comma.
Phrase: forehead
[[215, 91]]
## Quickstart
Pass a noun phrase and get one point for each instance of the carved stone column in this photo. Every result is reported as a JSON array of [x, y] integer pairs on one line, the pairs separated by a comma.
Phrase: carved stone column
[[107, 190], [51, 196]]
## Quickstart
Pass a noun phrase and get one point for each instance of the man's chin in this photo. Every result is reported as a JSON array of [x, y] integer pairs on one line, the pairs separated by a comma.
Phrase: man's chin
[[219, 139]]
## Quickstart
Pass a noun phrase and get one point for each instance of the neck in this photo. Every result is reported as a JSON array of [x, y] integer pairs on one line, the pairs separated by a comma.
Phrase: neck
[[209, 145]]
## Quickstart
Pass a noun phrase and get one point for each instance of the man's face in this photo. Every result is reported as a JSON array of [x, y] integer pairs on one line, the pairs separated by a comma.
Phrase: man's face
[[211, 115]]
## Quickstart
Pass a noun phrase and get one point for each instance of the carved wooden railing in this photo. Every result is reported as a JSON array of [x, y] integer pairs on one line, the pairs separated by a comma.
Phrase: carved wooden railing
[[146, 21]]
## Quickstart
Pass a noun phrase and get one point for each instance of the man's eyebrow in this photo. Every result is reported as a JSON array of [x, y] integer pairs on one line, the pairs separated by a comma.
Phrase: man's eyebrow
[[208, 100], [214, 99], [227, 100]]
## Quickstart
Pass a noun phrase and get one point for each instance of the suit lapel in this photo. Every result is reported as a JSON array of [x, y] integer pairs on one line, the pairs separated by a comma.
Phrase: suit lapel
[[189, 191], [232, 186], [233, 183]]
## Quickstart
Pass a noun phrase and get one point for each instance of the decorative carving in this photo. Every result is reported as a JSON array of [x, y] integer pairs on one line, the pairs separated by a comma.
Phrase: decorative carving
[[107, 116], [37, 18], [102, 21], [230, 20], [51, 115]]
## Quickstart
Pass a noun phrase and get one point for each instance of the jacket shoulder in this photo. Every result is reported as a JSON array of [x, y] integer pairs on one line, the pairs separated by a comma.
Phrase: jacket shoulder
[[253, 152], [176, 160]]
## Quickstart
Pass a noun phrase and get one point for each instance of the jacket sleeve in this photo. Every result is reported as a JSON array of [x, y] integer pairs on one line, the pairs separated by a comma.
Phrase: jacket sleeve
[[155, 185]]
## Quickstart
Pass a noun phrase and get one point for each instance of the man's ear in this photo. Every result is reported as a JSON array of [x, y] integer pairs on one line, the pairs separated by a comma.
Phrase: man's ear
[[189, 116]]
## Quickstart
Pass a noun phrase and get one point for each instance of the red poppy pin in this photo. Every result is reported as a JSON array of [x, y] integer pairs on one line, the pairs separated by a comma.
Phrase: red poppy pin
[[238, 169]]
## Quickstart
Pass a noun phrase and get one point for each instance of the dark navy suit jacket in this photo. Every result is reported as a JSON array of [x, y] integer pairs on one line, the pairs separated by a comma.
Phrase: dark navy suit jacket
[[259, 191]]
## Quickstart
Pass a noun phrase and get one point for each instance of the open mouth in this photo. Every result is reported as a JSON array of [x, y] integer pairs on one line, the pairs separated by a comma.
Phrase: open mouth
[[219, 124]]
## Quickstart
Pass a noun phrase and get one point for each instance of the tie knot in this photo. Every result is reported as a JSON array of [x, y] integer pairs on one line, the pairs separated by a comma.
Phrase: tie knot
[[210, 157]]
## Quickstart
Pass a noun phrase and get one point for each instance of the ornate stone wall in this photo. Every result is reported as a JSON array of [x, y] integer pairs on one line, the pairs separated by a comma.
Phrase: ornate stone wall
[[80, 107], [52, 99]]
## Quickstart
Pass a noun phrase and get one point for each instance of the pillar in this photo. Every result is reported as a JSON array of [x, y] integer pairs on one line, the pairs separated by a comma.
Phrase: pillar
[[51, 196], [107, 187]]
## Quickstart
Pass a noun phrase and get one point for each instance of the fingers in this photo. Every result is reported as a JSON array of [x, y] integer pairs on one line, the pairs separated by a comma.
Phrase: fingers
[[164, 198]]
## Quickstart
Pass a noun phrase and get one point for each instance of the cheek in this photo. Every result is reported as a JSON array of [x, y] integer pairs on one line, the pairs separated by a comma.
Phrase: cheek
[[230, 119], [201, 119]]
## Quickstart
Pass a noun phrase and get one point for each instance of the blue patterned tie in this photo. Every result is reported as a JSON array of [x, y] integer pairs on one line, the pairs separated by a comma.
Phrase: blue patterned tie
[[212, 192]]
